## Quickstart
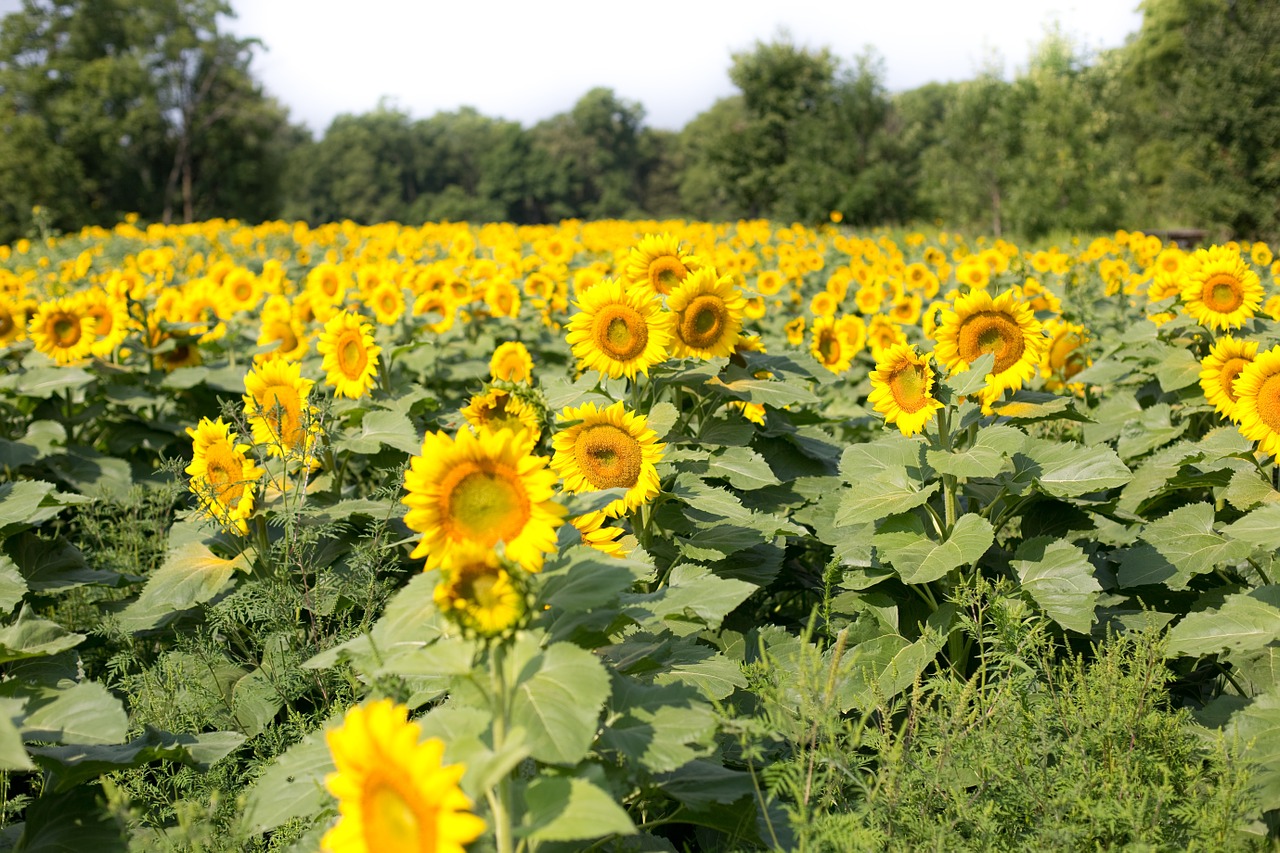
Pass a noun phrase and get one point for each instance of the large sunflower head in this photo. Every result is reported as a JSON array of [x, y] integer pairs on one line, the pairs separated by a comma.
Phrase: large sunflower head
[[511, 362], [708, 312], [978, 324], [1258, 401], [608, 448], [619, 332], [393, 790], [479, 592], [482, 487], [658, 264], [902, 388], [350, 355], [1227, 358], [1221, 290], [223, 477], [278, 410], [63, 330]]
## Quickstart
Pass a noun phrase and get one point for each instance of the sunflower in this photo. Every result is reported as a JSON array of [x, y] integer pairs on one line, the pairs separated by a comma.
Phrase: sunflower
[[288, 335], [619, 332], [708, 315], [223, 477], [511, 362], [387, 302], [111, 321], [658, 264], [1064, 356], [853, 329], [1258, 401], [63, 330], [350, 355], [12, 327], [1226, 360], [477, 591], [482, 487], [795, 331], [393, 790], [594, 532], [278, 412], [978, 324], [499, 409], [829, 347], [608, 448], [241, 290], [902, 388], [883, 333], [1220, 290]]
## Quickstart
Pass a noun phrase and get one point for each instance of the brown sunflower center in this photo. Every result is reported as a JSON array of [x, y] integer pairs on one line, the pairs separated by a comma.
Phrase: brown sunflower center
[[666, 272], [829, 348], [1269, 402], [1222, 292], [392, 823], [620, 332], [910, 387], [994, 332], [7, 325], [609, 456], [64, 329], [703, 322], [242, 290], [352, 356], [486, 505], [1227, 377]]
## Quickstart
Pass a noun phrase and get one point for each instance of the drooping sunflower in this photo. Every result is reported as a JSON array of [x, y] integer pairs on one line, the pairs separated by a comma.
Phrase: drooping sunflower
[[829, 347], [499, 409], [223, 477], [608, 448], [658, 264], [708, 312], [1257, 391], [902, 388], [478, 592], [1064, 356], [278, 410], [63, 330], [393, 790], [1221, 291], [595, 533], [350, 355], [511, 362], [1227, 358], [482, 487], [619, 332], [978, 324]]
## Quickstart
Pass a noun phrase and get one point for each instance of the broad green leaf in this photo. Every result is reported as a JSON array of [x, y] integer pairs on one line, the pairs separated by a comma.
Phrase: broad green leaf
[[191, 575], [1059, 577], [1151, 429], [1261, 527], [693, 595], [1247, 489], [291, 786], [384, 428], [1257, 726], [1067, 469], [701, 783], [93, 474], [661, 417], [742, 467], [580, 579], [987, 457], [923, 561], [72, 765], [560, 809], [44, 382], [1025, 407], [1179, 369], [879, 669], [22, 505], [70, 822], [559, 691], [718, 541], [13, 755], [659, 727], [771, 392], [970, 378], [85, 713], [1185, 537], [1244, 622], [30, 636], [12, 585], [716, 676], [54, 565]]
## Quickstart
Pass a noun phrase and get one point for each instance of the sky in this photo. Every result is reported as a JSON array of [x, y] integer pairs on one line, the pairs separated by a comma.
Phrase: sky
[[526, 61]]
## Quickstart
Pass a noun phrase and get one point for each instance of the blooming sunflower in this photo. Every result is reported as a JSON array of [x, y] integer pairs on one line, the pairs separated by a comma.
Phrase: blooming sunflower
[[608, 448], [1221, 291], [350, 355], [286, 333], [111, 321], [511, 362], [63, 330], [499, 410], [619, 332], [223, 477], [1258, 401], [277, 409], [902, 388], [482, 487], [1064, 356], [978, 324], [829, 347], [477, 591], [598, 535], [1226, 360], [658, 264], [387, 302], [393, 790], [708, 315], [795, 331], [12, 327]]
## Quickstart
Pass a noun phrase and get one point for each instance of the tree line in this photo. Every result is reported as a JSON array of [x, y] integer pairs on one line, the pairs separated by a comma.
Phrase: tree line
[[150, 106]]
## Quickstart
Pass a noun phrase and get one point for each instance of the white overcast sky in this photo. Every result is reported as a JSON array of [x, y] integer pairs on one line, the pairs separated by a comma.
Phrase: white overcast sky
[[525, 61]]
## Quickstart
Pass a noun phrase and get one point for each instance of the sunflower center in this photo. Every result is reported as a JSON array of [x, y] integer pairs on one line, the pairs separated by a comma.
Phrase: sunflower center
[[910, 387], [102, 326], [829, 348], [609, 456], [65, 330], [283, 412], [1227, 377], [1222, 293], [242, 290], [703, 321], [486, 505], [621, 333], [1269, 402], [352, 356], [994, 332], [392, 823], [7, 324], [666, 272]]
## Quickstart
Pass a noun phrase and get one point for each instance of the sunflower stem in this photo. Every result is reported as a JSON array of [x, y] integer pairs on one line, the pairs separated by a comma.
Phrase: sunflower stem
[[948, 480], [500, 798]]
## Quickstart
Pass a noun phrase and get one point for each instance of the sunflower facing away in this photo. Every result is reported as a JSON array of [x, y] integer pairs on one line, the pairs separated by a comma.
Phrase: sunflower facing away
[[598, 535], [63, 330], [902, 388], [1258, 401], [393, 790], [1065, 355], [608, 449], [1227, 358], [619, 332], [278, 411], [482, 488], [223, 477], [978, 324], [1220, 290], [708, 315], [511, 361], [350, 355], [477, 591], [658, 264]]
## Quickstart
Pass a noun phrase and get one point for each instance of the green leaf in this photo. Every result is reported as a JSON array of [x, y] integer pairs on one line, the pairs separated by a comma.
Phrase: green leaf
[[1059, 577], [93, 474], [22, 505], [921, 560], [72, 765], [579, 579], [1179, 369], [55, 565], [1185, 537], [191, 575], [12, 585], [1067, 469], [13, 754], [44, 382], [770, 392], [742, 467], [986, 458], [1257, 726], [701, 783], [879, 669], [30, 636], [384, 428], [1247, 489], [971, 378], [716, 677], [1260, 527], [560, 809], [558, 695], [1151, 429], [661, 417], [1025, 407], [85, 713], [693, 595], [659, 727], [70, 822], [292, 786], [1244, 622]]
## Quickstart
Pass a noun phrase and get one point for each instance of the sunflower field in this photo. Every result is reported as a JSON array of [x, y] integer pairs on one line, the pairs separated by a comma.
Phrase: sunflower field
[[636, 535]]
